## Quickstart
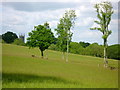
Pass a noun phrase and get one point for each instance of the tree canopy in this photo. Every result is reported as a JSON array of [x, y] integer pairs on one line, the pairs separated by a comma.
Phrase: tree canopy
[[41, 37], [83, 44], [9, 37]]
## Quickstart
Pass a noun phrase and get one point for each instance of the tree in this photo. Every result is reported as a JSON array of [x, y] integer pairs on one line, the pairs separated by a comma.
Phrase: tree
[[83, 44], [64, 31], [41, 37], [9, 37], [62, 37], [113, 51], [18, 41], [94, 50], [76, 48], [104, 12], [53, 47]]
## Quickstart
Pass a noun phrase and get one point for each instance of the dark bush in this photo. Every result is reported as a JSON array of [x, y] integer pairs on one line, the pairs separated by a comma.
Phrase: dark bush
[[9, 37], [113, 51]]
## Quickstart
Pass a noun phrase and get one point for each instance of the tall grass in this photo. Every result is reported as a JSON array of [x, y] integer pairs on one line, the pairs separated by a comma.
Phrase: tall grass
[[20, 69]]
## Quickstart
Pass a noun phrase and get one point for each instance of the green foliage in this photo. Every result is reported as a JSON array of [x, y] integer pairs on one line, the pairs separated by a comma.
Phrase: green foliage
[[91, 50], [2, 41], [19, 41], [104, 12], [63, 29], [53, 47], [113, 51], [41, 37], [9, 37], [95, 50], [75, 48], [83, 44]]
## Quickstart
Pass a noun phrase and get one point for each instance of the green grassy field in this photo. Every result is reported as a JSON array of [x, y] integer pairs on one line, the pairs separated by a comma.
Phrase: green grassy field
[[20, 69]]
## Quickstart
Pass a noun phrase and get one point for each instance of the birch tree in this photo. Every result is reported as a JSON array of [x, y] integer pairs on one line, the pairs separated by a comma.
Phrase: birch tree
[[104, 12], [64, 31]]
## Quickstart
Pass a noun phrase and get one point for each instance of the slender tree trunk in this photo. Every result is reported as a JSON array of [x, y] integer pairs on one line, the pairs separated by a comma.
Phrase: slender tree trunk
[[67, 46], [67, 50], [46, 54], [42, 53], [63, 55], [105, 56]]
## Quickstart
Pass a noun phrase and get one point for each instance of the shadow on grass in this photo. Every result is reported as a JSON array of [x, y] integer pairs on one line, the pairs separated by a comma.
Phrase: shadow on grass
[[24, 78]]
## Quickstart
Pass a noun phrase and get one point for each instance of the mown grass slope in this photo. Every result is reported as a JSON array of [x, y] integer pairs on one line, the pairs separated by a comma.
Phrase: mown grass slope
[[20, 69]]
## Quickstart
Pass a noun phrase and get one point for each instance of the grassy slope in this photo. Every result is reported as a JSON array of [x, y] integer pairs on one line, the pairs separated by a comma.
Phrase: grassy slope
[[22, 70]]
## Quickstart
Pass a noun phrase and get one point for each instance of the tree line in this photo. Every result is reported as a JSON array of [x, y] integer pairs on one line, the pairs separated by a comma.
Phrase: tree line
[[93, 49], [81, 48]]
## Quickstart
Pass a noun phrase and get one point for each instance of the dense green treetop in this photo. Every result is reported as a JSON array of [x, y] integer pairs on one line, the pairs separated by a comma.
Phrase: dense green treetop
[[9, 37], [41, 37]]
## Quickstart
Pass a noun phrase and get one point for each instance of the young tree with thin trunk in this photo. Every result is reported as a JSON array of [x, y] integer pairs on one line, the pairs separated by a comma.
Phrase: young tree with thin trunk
[[64, 31], [41, 37], [104, 12]]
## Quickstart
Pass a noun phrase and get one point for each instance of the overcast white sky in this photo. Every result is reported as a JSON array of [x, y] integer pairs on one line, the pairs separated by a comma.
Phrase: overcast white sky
[[20, 16]]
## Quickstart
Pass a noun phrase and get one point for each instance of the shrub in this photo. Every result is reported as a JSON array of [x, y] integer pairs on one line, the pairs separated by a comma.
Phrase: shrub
[[75, 48], [94, 50], [9, 37], [113, 51], [19, 42], [53, 47]]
